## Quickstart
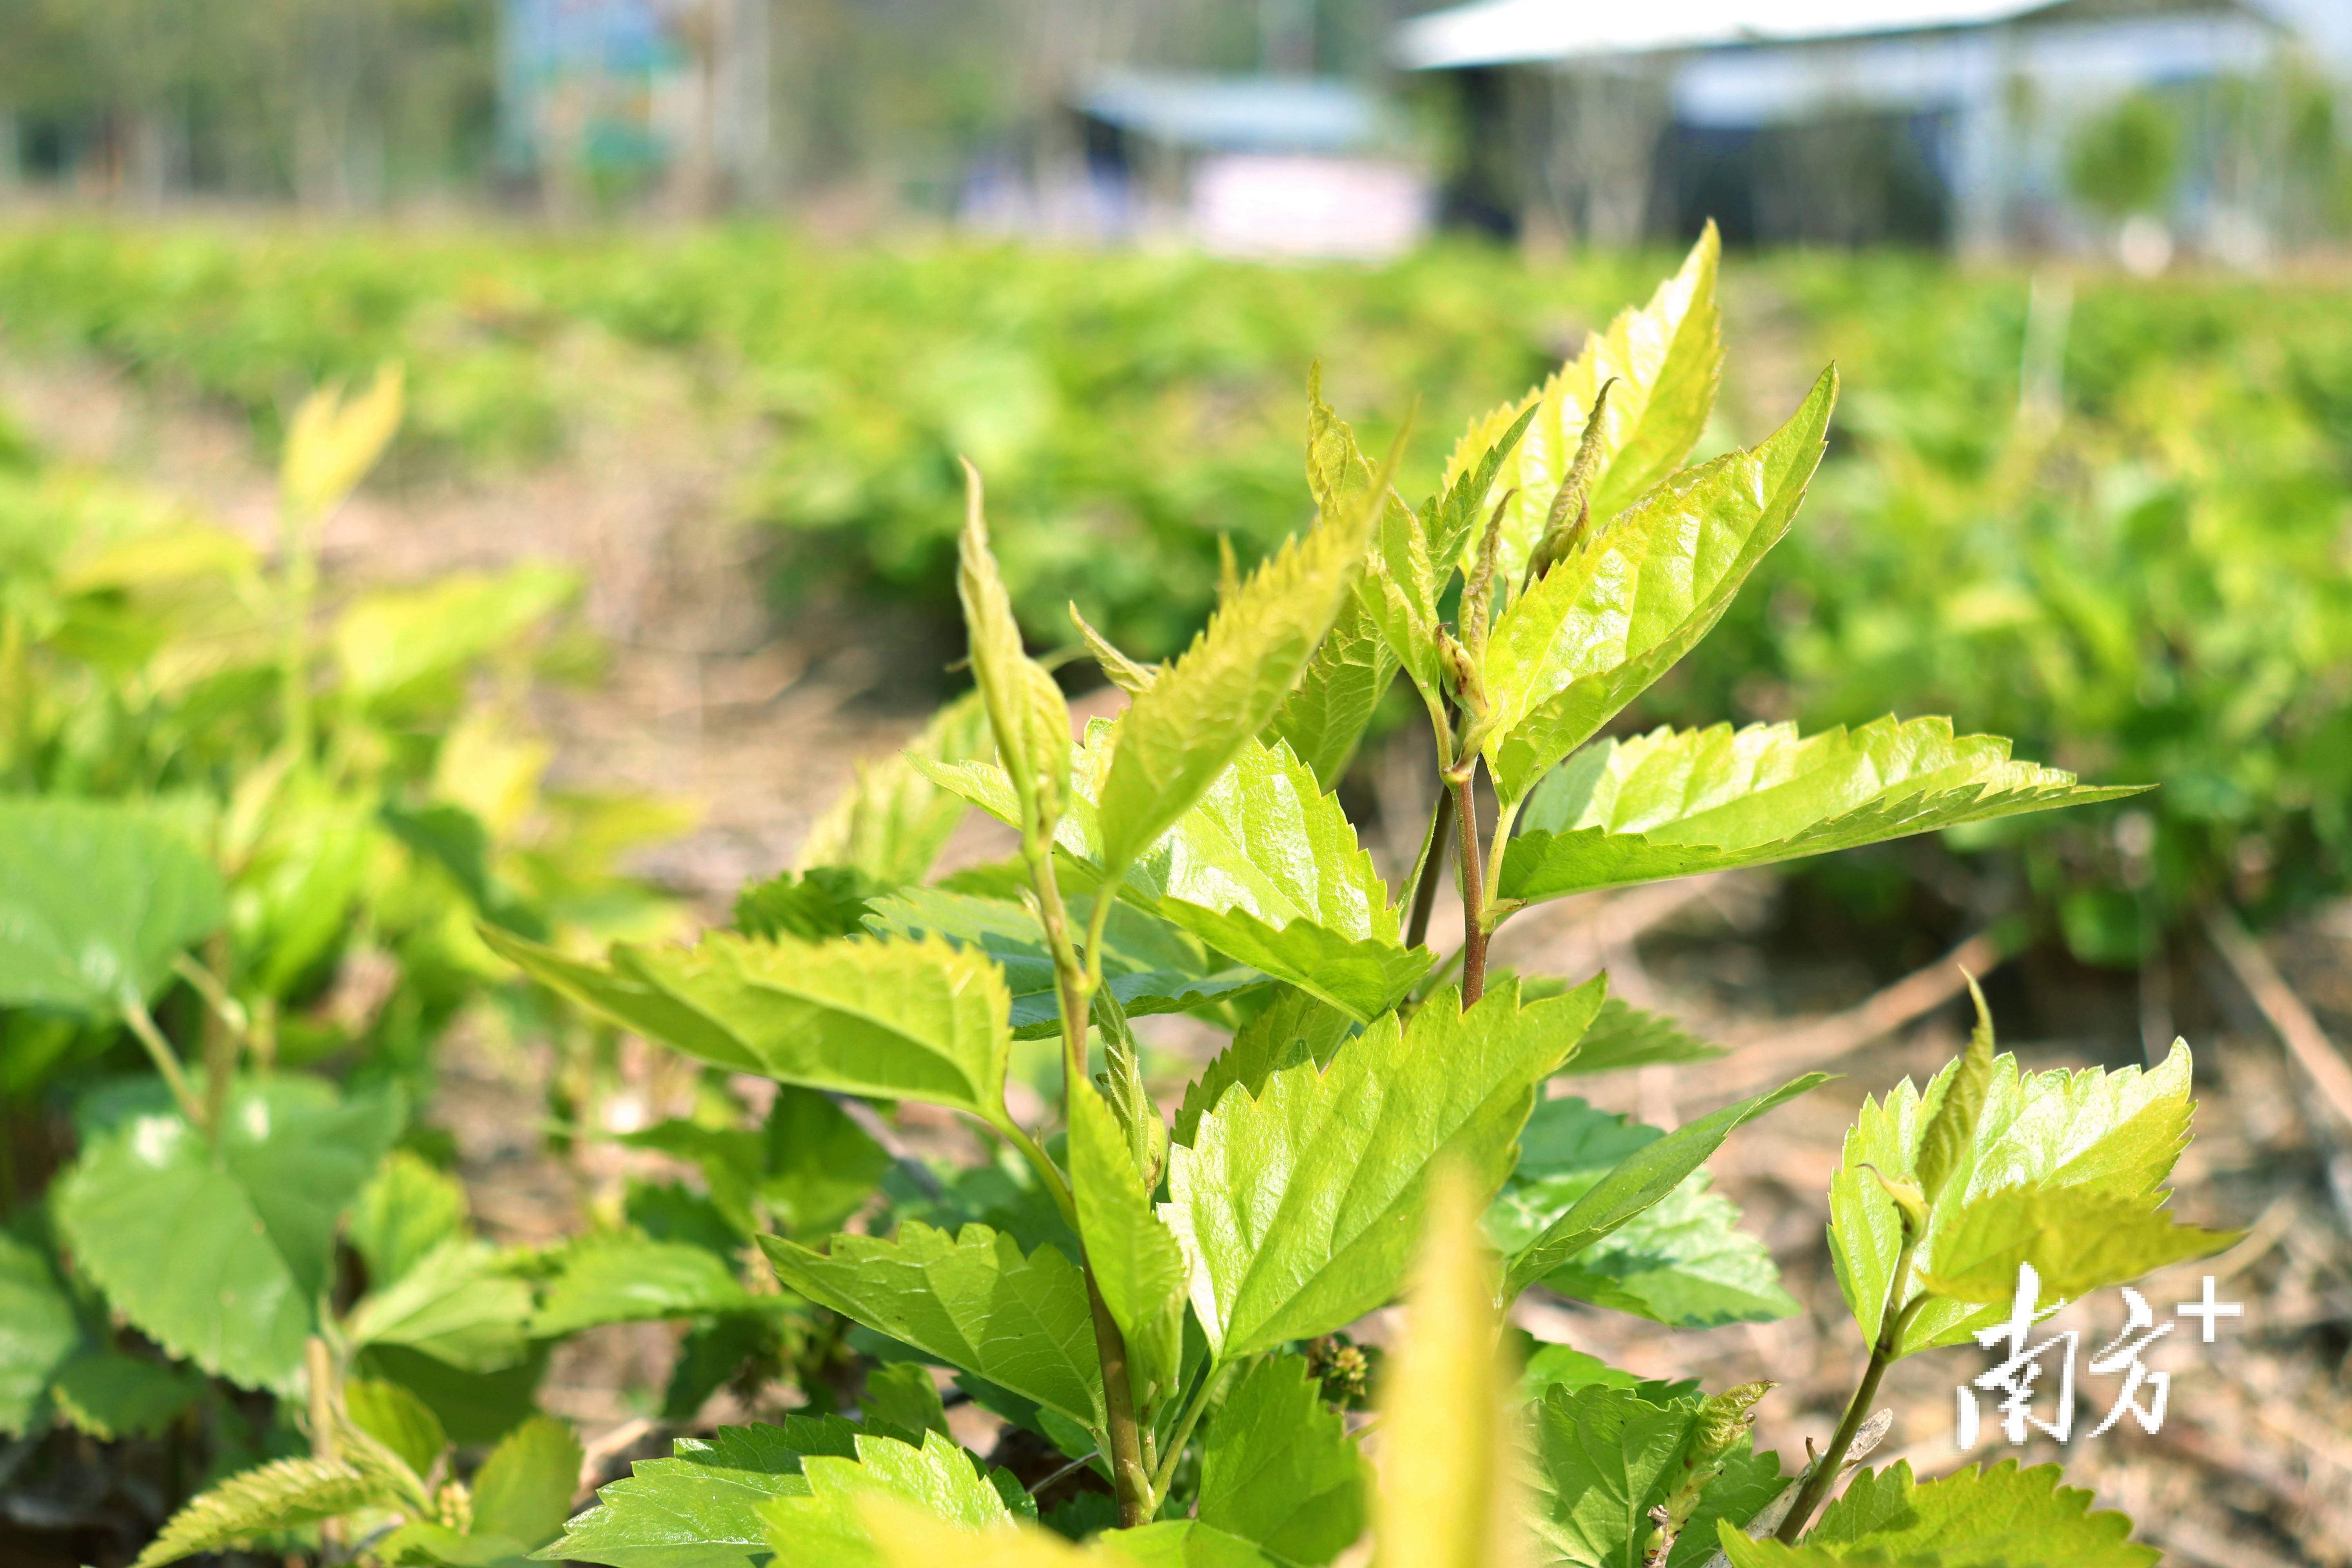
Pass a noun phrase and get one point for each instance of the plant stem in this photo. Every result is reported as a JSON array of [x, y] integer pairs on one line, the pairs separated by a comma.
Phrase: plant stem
[[224, 1028], [1129, 1478], [1473, 889], [1823, 1474], [1166, 1475], [1076, 984], [1432, 861], [1043, 1164], [321, 1364], [166, 1061]]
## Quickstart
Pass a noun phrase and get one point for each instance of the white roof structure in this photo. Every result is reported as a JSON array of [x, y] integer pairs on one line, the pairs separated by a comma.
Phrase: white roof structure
[[1503, 32]]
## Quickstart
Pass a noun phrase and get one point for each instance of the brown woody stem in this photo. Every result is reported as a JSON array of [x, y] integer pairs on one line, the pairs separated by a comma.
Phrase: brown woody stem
[[1130, 1478]]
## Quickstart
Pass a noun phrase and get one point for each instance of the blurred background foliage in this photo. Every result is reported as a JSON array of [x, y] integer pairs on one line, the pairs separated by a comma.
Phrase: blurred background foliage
[[2110, 517]]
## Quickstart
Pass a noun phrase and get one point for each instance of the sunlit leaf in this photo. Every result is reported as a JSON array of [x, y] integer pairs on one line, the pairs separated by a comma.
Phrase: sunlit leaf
[[1176, 738], [892, 821], [1682, 1261], [1132, 1254], [1666, 358], [699, 1507], [1621, 610], [1297, 1205], [2003, 1517], [1677, 803], [898, 1019], [2074, 1161], [1639, 1181]]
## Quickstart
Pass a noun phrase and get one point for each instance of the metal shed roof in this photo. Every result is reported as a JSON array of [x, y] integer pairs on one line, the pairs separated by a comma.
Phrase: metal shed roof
[[1502, 32], [1270, 114]]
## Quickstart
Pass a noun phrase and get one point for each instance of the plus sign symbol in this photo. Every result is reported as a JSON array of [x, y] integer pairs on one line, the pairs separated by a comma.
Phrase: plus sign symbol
[[2208, 1310]]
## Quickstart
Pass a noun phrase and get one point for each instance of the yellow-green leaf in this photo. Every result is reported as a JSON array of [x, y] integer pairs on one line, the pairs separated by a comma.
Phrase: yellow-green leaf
[[1674, 803], [1448, 1495], [1180, 734], [1297, 1205], [1622, 608], [894, 1019], [1025, 709], [1133, 1256], [332, 442], [1666, 358]]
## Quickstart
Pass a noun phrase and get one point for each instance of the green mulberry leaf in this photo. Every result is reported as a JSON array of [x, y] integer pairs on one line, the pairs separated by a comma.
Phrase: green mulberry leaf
[[400, 1421], [524, 1490], [455, 1304], [1291, 1028], [95, 900], [2056, 1163], [1134, 1259], [1150, 966], [895, 1019], [1623, 1036], [1264, 867], [820, 902], [406, 1210], [111, 1396], [629, 1279], [1677, 803], [1182, 732], [1621, 610], [1666, 358], [698, 1508], [1606, 1456], [1681, 1262], [2004, 1517], [1638, 1181], [825, 1527], [1279, 1467], [220, 1255], [2077, 1240], [972, 1300], [1298, 1205], [39, 1332]]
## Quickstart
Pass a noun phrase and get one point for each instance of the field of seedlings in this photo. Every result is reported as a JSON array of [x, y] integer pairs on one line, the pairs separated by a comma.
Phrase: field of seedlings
[[719, 902]]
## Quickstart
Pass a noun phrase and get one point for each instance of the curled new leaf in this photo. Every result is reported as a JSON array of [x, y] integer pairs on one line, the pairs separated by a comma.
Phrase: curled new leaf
[[1604, 623], [1025, 709], [1666, 358], [1954, 1126]]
